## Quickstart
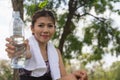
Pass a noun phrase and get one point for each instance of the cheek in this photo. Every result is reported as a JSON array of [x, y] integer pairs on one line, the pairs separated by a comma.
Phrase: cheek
[[53, 32], [35, 30]]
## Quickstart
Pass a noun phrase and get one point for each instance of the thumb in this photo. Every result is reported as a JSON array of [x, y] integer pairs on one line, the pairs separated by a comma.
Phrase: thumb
[[27, 44], [27, 52]]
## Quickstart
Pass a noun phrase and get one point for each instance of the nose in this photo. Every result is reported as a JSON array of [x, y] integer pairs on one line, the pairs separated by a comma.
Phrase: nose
[[45, 30]]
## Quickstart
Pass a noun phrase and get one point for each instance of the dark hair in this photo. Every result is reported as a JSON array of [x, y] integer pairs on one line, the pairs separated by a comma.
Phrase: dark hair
[[42, 13]]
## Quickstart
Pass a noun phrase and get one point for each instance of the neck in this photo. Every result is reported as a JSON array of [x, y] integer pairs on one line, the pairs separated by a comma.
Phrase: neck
[[43, 46]]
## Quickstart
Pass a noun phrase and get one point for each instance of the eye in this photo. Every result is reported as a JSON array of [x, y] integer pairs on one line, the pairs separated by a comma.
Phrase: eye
[[50, 26], [41, 25]]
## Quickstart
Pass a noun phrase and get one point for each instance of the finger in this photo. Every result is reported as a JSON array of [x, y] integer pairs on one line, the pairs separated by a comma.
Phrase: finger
[[10, 52], [28, 54], [9, 39], [77, 74], [10, 46], [83, 75]]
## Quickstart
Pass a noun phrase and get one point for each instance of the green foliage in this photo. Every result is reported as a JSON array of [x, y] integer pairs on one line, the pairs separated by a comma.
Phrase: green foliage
[[100, 6], [99, 73], [101, 30], [43, 4], [102, 33], [117, 11], [88, 35], [115, 71], [5, 70], [31, 9], [103, 38], [59, 26], [97, 54], [98, 35], [34, 6], [73, 44], [61, 20]]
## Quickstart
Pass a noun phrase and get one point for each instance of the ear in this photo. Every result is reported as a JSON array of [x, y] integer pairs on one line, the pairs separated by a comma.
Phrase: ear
[[32, 29]]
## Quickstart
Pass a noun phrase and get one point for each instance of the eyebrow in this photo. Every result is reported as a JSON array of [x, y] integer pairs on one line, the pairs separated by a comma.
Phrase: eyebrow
[[47, 23]]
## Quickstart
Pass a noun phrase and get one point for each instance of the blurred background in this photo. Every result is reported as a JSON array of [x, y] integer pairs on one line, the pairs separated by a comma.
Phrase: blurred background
[[87, 34]]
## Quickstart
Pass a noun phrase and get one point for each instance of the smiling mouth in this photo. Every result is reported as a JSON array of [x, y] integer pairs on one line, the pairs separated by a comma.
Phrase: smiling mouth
[[45, 36]]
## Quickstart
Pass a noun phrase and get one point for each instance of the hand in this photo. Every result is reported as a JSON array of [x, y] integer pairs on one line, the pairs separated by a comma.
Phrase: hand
[[68, 77], [11, 49], [77, 75], [80, 75]]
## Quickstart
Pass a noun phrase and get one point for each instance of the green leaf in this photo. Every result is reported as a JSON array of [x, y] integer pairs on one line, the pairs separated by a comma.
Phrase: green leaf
[[43, 4], [88, 35]]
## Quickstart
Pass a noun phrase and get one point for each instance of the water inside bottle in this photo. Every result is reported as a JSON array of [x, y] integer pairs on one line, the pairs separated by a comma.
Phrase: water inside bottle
[[19, 58]]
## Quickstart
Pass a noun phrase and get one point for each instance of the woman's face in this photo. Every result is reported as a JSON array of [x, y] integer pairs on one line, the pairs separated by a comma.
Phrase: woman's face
[[43, 29]]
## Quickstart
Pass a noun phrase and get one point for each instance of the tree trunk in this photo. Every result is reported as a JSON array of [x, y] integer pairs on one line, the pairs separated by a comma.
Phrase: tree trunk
[[17, 6], [67, 28], [16, 74]]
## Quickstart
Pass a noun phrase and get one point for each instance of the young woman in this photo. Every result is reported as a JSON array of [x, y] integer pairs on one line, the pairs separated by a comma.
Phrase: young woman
[[44, 62]]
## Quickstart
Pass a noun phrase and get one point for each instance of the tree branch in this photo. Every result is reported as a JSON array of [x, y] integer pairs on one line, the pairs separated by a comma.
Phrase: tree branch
[[78, 15], [98, 18]]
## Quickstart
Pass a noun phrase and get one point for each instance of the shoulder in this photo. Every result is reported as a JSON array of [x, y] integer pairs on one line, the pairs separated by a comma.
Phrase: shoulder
[[59, 55], [58, 51]]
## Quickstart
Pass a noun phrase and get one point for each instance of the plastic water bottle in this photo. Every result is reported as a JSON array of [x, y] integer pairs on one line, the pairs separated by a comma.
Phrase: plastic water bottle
[[18, 41]]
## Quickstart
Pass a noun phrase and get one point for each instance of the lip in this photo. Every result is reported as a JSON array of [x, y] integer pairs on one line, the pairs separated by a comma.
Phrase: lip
[[45, 36]]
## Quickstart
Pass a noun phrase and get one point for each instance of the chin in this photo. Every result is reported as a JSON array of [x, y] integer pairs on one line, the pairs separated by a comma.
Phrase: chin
[[44, 41]]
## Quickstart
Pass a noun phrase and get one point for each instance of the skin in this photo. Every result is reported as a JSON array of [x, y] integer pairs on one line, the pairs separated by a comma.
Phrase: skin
[[43, 30], [11, 49]]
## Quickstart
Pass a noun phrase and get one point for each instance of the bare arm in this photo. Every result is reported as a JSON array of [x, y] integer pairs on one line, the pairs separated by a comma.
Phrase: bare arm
[[61, 65], [64, 75], [76, 75]]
